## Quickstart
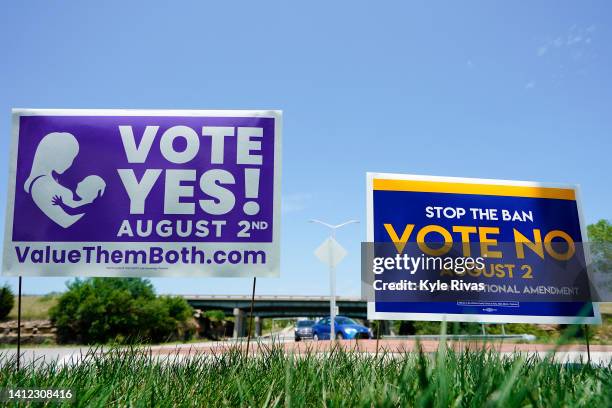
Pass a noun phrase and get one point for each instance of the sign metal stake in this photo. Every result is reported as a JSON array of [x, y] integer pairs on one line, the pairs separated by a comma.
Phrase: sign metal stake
[[377, 335], [19, 325], [586, 335], [251, 317]]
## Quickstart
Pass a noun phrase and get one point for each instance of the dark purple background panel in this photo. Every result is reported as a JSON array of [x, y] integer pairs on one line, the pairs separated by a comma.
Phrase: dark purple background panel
[[102, 153]]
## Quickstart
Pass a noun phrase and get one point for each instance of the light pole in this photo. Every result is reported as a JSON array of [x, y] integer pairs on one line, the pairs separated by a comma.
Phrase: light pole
[[332, 271]]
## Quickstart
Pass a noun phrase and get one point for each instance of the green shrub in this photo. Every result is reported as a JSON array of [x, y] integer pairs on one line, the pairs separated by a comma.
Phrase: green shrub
[[7, 301], [215, 315], [99, 310]]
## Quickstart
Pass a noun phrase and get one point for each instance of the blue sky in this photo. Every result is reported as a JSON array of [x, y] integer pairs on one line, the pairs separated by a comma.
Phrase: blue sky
[[510, 90]]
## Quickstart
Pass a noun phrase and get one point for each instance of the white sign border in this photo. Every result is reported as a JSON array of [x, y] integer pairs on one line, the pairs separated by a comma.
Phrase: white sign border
[[271, 269], [477, 318]]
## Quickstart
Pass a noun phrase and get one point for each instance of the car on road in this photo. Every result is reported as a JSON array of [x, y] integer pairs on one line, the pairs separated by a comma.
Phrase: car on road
[[303, 329], [345, 328]]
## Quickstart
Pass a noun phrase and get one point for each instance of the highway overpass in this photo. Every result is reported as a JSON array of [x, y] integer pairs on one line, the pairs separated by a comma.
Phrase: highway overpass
[[270, 306]]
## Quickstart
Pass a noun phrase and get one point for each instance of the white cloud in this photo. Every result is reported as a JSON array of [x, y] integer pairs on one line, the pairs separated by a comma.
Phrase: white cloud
[[530, 85], [295, 202], [574, 38]]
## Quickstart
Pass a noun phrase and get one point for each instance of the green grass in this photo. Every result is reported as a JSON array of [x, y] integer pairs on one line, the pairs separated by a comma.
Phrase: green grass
[[340, 379]]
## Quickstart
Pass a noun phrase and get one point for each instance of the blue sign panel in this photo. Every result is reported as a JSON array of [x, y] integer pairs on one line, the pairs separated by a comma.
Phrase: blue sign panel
[[523, 229]]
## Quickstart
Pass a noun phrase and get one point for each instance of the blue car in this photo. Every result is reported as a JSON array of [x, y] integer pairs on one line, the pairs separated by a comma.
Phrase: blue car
[[345, 328]]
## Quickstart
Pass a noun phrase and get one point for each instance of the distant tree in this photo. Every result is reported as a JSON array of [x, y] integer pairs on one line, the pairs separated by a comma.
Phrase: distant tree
[[7, 301], [215, 315], [600, 245], [99, 310], [600, 232]]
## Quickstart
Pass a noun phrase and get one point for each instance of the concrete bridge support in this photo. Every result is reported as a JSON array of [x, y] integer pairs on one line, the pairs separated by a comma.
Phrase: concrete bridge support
[[238, 323], [258, 325]]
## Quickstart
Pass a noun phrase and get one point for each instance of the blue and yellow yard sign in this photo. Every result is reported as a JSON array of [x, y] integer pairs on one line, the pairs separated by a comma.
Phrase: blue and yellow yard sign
[[507, 251]]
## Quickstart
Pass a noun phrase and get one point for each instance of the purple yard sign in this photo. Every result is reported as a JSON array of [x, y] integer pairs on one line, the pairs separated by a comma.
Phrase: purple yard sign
[[144, 193]]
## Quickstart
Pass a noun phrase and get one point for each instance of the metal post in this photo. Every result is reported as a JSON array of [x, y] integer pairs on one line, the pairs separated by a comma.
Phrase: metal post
[[19, 325], [332, 274], [332, 290], [586, 334], [377, 334], [251, 317]]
